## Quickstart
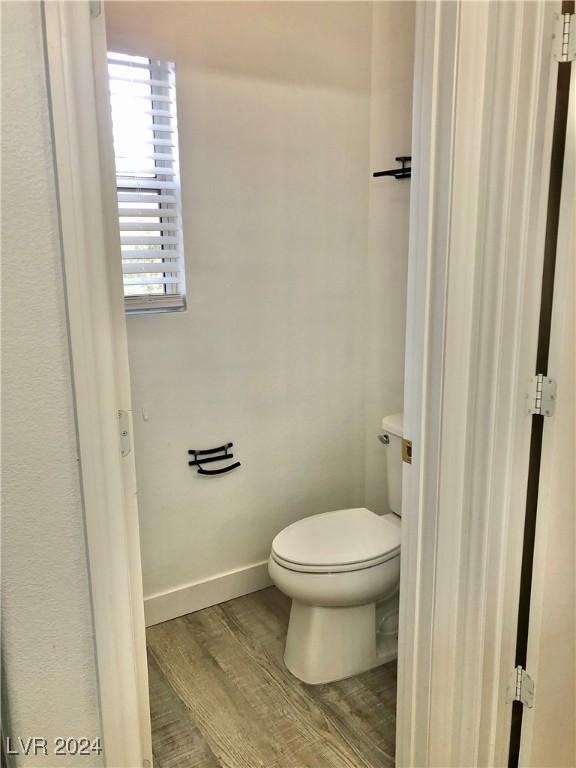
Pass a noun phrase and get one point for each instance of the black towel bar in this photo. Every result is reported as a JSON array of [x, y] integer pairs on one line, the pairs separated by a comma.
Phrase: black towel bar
[[221, 471], [208, 459], [208, 455], [398, 173], [210, 450]]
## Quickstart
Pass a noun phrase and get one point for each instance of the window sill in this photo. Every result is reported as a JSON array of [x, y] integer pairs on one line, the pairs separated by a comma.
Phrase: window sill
[[140, 305]]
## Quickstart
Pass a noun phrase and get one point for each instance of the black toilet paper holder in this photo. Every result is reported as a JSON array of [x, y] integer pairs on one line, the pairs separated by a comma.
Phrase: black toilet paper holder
[[212, 454]]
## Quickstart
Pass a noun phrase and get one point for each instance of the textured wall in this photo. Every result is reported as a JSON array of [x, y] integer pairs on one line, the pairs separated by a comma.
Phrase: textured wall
[[273, 109], [47, 642]]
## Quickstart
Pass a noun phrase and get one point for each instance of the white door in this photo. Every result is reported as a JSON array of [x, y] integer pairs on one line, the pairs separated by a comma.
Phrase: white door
[[549, 728]]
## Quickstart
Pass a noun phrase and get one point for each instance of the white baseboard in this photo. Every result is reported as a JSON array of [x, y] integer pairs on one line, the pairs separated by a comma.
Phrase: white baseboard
[[202, 594]]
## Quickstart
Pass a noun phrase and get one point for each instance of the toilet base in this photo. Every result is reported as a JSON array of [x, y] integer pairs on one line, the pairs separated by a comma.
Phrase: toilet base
[[328, 644]]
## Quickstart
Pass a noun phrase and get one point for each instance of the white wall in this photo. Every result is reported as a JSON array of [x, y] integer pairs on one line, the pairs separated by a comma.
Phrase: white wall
[[274, 122], [47, 644], [273, 104], [390, 136]]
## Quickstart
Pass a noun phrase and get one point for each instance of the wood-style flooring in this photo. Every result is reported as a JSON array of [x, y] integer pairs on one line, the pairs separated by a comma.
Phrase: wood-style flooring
[[221, 697]]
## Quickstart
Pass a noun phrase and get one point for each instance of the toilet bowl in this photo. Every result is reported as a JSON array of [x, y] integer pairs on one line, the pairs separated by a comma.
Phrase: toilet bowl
[[342, 571]]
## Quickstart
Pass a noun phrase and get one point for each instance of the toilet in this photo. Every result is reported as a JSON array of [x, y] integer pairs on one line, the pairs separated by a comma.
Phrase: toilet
[[342, 571]]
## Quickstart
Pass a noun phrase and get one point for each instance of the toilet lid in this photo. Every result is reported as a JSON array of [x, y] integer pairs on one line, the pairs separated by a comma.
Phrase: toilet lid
[[348, 539]]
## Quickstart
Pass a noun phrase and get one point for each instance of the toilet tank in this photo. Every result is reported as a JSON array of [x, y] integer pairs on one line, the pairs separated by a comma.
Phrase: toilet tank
[[392, 427]]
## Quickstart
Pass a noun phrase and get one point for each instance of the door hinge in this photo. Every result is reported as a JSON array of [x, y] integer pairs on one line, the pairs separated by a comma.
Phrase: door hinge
[[541, 395], [522, 687], [564, 38], [124, 422]]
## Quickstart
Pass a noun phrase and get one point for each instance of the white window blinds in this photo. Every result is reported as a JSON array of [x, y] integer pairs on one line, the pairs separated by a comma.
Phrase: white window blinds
[[143, 102]]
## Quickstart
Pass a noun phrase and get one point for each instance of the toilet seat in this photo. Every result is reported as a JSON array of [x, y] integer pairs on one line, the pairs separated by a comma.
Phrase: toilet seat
[[337, 542]]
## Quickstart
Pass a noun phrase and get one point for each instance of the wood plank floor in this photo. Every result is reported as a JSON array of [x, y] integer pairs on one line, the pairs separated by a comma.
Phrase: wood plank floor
[[221, 697]]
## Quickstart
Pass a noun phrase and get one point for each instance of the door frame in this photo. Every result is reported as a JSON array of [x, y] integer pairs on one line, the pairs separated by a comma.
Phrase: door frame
[[483, 70], [483, 117], [551, 648], [101, 380]]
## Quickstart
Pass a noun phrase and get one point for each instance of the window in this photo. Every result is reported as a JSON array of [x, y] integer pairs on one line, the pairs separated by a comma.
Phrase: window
[[143, 102]]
